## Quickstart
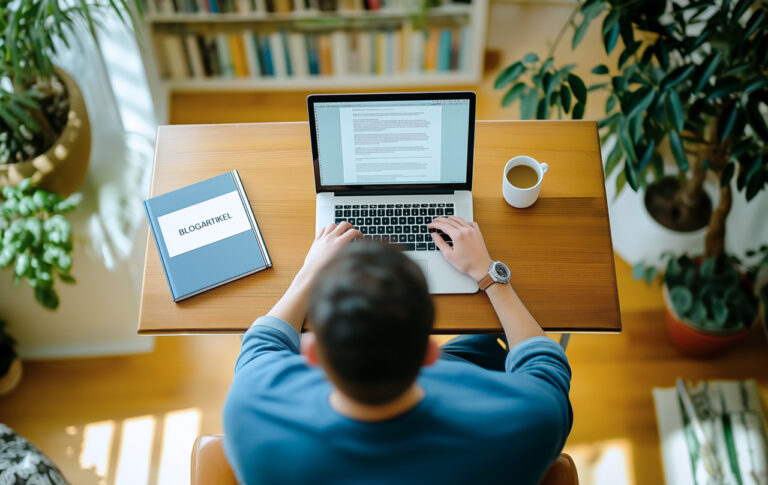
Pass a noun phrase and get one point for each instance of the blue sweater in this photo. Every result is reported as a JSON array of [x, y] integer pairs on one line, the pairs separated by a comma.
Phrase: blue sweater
[[473, 426]]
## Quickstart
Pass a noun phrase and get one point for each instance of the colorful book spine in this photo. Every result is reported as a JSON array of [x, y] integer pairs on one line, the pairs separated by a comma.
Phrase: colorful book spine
[[366, 50], [389, 42], [266, 55], [175, 57], [225, 55], [195, 56], [464, 45], [212, 54], [213, 5], [381, 52], [282, 6], [430, 50], [418, 45], [237, 50], [260, 6], [444, 51], [297, 48], [324, 54], [278, 54], [286, 52], [340, 52], [313, 57], [455, 46], [251, 53]]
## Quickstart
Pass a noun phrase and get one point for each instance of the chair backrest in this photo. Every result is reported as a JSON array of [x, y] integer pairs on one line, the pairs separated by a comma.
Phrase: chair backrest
[[210, 466]]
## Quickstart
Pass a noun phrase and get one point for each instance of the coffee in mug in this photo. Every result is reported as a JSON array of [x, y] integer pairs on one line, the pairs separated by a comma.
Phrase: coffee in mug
[[522, 176], [522, 181]]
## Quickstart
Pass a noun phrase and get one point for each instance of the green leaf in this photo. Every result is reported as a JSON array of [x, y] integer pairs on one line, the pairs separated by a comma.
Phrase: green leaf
[[675, 110], [754, 22], [638, 271], [727, 121], [610, 103], [514, 92], [613, 159], [600, 69], [677, 76], [47, 297], [643, 104], [646, 158], [565, 98], [627, 53], [530, 58], [755, 84], [509, 75], [578, 87], [610, 30], [677, 150], [541, 109], [682, 299], [720, 312], [756, 120], [707, 269], [621, 181], [650, 275], [22, 264], [710, 64], [578, 111], [727, 174], [662, 54], [578, 36], [629, 172], [528, 104]]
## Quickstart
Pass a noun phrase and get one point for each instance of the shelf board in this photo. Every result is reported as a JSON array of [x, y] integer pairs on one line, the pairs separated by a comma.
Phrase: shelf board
[[321, 82], [339, 15]]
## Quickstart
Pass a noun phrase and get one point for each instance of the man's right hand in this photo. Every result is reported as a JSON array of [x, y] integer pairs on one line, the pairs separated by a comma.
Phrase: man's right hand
[[469, 253]]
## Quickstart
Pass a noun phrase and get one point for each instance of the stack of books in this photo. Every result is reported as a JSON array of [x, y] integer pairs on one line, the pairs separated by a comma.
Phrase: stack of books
[[299, 53], [712, 433]]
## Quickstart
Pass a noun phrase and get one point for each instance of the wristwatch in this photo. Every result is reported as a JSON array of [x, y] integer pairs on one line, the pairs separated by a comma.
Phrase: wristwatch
[[497, 273]]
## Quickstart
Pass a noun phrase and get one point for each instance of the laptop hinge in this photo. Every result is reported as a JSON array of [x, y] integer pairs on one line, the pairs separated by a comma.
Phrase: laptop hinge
[[394, 192]]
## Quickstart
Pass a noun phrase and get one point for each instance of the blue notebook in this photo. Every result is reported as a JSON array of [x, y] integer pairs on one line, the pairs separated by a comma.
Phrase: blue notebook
[[206, 235]]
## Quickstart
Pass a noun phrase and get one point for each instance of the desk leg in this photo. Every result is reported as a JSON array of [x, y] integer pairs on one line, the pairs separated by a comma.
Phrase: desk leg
[[564, 338]]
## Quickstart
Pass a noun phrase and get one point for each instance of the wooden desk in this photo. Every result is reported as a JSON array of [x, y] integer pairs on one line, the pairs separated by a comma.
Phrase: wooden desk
[[559, 249]]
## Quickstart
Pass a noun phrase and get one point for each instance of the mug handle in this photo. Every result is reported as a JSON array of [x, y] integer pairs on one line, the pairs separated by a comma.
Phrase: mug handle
[[544, 168]]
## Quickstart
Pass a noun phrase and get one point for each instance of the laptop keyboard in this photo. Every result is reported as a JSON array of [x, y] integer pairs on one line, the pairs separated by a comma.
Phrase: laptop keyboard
[[402, 224]]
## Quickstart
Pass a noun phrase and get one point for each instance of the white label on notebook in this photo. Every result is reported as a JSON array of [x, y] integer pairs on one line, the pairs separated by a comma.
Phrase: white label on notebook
[[203, 223]]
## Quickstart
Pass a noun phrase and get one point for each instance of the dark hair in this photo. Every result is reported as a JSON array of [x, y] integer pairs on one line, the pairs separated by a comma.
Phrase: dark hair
[[371, 313]]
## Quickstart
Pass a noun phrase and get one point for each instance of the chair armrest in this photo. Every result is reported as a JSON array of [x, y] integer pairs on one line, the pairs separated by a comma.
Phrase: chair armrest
[[562, 471], [209, 465]]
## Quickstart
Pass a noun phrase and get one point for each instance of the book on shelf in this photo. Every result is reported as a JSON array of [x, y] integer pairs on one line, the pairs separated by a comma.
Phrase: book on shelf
[[206, 235], [723, 442], [296, 53]]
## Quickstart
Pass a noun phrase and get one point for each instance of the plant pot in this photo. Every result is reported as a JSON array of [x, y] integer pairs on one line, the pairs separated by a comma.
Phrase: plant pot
[[63, 167], [11, 379], [693, 341]]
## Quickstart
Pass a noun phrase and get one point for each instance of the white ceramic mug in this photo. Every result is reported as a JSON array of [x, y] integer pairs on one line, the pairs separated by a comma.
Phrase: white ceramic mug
[[515, 196]]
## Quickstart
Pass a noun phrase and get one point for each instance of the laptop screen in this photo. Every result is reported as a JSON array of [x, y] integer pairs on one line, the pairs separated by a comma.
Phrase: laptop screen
[[386, 142]]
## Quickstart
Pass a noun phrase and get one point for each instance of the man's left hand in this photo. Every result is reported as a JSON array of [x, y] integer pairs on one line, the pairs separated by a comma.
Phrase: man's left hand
[[328, 241]]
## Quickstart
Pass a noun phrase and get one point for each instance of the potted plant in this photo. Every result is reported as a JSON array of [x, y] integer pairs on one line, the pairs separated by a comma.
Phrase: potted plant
[[708, 309], [690, 81], [44, 127], [36, 239], [10, 364]]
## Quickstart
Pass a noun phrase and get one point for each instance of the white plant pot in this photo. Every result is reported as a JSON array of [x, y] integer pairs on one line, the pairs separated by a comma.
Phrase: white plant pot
[[638, 237]]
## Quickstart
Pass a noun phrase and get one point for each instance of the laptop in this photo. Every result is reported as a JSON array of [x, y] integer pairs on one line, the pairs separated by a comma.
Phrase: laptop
[[389, 163]]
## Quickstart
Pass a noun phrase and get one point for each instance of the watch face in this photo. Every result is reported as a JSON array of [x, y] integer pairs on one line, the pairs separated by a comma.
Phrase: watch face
[[502, 271]]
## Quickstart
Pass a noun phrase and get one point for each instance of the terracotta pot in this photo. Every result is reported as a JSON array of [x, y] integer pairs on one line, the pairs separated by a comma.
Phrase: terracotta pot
[[11, 379], [63, 167], [693, 341]]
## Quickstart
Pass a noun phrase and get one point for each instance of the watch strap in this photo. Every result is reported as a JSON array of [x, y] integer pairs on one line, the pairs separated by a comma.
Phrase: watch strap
[[485, 282]]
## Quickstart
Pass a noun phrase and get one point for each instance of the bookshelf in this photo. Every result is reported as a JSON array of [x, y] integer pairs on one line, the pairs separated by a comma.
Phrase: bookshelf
[[202, 45]]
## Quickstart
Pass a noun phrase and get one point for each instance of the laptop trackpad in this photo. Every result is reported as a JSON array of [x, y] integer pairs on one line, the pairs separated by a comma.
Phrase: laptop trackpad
[[424, 265]]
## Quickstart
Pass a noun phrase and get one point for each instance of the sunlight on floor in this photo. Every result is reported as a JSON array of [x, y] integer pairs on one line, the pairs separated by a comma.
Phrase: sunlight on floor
[[603, 463], [135, 461]]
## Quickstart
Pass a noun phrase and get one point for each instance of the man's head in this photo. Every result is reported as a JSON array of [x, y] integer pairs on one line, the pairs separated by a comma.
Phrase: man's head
[[371, 314]]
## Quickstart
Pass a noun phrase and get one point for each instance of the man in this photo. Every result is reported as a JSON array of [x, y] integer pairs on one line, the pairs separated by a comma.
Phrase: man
[[370, 399]]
